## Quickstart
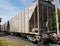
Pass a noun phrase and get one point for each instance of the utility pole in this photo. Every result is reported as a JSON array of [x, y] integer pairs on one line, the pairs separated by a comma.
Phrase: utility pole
[[56, 11]]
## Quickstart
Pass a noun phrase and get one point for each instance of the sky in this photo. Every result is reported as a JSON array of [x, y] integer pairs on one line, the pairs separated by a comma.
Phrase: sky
[[10, 8]]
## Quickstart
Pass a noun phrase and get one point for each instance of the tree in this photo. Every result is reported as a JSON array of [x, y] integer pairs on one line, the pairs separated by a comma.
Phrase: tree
[[58, 19]]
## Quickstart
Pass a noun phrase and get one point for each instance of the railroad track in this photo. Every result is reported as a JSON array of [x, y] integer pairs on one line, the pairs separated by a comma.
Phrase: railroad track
[[24, 40], [28, 43]]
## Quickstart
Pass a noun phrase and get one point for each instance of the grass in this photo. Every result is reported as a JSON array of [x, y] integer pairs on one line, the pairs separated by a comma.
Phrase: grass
[[5, 42]]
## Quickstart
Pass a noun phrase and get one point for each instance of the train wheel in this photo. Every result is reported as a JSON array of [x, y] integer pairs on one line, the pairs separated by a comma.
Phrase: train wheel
[[12, 34]]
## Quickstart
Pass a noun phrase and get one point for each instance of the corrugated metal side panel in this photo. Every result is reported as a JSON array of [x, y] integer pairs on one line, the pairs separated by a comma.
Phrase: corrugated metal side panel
[[1, 27], [26, 14], [31, 9], [10, 25], [26, 20], [12, 22], [6, 26], [19, 22], [23, 22], [15, 23]]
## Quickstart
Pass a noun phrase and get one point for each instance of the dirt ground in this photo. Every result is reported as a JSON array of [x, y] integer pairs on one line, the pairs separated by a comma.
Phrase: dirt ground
[[10, 41]]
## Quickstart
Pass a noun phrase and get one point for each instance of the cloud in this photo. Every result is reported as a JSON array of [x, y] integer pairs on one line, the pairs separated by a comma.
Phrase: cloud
[[7, 10]]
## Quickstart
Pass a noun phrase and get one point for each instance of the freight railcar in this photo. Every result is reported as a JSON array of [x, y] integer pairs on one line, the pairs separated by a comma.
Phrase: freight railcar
[[2, 27], [33, 21]]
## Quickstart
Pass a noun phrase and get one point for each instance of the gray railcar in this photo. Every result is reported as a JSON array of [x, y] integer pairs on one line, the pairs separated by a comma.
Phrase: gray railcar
[[33, 21]]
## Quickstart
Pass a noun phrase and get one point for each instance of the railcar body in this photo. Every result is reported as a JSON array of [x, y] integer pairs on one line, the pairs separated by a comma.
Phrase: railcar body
[[2, 27], [33, 21]]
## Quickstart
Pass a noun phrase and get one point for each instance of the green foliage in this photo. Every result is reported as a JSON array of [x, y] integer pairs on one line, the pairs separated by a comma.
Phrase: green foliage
[[58, 18], [8, 42]]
